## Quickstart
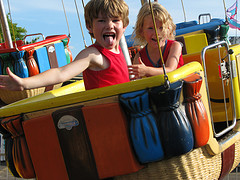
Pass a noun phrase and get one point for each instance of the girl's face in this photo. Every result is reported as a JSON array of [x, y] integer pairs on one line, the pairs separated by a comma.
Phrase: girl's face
[[149, 34], [107, 31]]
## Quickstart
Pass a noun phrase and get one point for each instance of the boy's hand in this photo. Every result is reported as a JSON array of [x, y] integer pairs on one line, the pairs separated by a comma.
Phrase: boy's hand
[[11, 81], [137, 70]]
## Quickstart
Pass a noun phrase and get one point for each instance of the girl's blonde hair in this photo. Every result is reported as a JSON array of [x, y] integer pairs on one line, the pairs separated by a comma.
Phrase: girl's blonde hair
[[161, 14], [111, 8]]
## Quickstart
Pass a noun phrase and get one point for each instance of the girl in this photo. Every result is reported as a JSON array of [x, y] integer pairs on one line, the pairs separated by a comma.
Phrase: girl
[[147, 61]]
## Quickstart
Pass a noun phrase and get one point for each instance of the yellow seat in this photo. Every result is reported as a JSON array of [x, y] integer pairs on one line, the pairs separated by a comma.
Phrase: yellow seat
[[192, 46]]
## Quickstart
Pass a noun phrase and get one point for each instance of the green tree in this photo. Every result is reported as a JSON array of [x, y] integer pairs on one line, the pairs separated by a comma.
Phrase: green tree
[[19, 32]]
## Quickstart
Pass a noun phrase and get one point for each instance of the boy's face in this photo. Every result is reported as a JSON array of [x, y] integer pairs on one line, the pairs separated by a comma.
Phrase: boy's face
[[107, 31], [149, 34]]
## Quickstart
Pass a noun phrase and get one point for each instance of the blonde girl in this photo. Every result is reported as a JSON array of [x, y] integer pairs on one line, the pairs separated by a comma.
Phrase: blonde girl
[[147, 61]]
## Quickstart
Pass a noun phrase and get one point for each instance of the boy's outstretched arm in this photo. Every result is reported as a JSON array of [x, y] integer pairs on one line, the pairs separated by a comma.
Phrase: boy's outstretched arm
[[49, 77], [15, 83]]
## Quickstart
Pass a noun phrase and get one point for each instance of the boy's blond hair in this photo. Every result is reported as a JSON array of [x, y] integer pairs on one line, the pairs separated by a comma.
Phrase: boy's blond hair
[[161, 14], [111, 8]]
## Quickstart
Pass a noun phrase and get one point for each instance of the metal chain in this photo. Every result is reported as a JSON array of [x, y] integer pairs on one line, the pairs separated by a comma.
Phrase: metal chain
[[185, 19], [83, 8], [84, 41], [167, 83], [69, 35]]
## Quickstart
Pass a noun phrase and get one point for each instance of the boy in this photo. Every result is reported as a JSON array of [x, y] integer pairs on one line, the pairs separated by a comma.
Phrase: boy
[[102, 64]]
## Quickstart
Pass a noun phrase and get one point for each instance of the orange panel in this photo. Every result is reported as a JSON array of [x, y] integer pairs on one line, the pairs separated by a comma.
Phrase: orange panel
[[195, 109], [44, 148], [108, 133]]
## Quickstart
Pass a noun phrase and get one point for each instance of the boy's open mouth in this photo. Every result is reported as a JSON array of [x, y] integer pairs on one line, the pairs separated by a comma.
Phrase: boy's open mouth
[[109, 38]]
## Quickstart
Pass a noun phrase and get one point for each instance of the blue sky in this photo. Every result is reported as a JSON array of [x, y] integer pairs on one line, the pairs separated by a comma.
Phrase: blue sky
[[47, 16]]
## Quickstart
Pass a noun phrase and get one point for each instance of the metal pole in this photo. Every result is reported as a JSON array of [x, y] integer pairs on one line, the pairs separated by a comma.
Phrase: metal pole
[[5, 27], [124, 47]]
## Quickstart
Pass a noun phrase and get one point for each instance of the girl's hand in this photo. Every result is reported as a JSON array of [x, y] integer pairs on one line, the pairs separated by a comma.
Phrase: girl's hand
[[11, 81], [137, 71]]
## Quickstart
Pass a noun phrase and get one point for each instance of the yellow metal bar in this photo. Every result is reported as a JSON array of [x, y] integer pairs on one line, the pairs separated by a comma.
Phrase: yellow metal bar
[[41, 102]]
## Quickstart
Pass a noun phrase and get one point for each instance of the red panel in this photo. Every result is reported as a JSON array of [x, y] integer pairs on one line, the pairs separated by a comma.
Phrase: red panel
[[108, 133]]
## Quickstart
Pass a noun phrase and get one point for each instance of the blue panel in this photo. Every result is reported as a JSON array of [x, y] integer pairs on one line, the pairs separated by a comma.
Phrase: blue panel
[[212, 25], [143, 126], [20, 67], [186, 24], [60, 53], [41, 56], [174, 127]]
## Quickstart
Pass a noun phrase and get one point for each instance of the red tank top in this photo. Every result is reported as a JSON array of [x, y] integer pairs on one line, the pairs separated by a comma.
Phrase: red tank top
[[116, 73], [148, 62]]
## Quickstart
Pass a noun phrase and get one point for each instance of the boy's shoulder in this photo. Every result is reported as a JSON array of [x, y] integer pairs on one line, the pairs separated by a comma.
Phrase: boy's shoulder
[[90, 50], [89, 53]]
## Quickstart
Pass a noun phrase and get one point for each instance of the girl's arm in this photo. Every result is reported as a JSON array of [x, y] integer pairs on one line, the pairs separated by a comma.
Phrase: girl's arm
[[139, 69]]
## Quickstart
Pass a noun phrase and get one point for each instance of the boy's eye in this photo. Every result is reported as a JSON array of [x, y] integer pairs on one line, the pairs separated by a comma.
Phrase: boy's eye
[[116, 20]]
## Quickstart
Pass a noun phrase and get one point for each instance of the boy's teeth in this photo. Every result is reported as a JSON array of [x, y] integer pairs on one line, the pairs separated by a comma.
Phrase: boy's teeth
[[107, 35]]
